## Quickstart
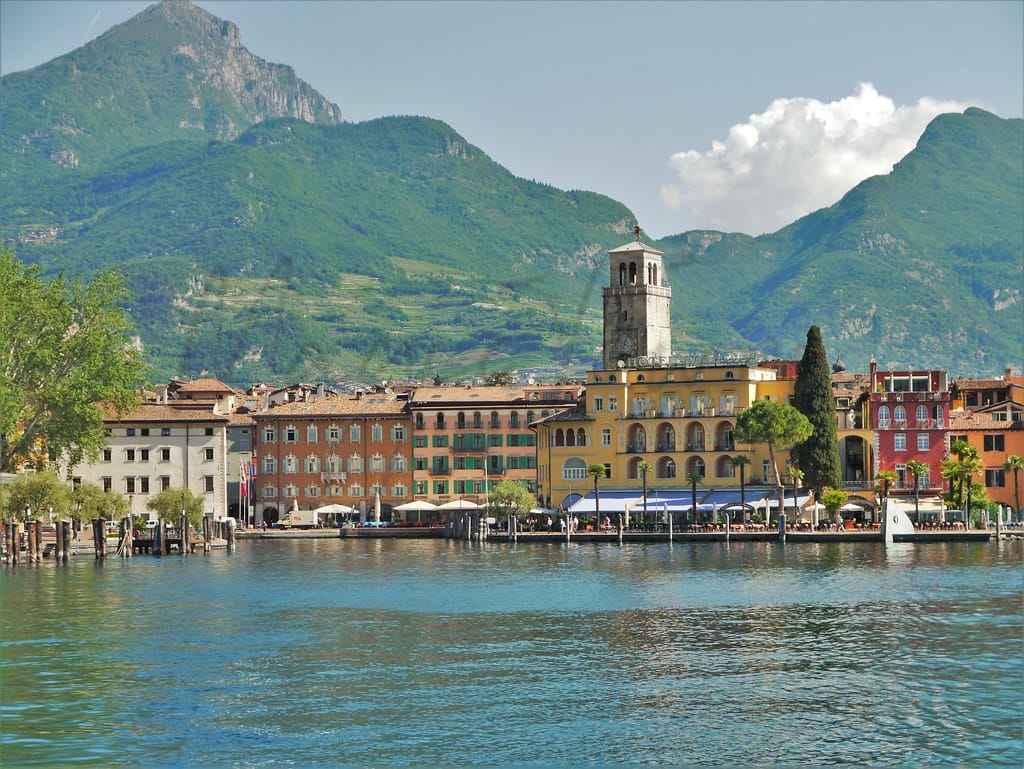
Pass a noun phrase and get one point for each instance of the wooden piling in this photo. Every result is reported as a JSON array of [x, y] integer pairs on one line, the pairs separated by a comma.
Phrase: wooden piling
[[230, 534], [185, 538], [207, 533], [158, 537]]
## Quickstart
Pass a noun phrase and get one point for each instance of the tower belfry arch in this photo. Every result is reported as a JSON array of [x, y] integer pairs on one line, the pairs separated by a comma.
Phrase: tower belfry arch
[[637, 304]]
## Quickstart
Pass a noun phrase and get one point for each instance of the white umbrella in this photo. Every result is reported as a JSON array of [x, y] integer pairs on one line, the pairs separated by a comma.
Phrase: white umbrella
[[334, 509], [459, 504], [417, 506]]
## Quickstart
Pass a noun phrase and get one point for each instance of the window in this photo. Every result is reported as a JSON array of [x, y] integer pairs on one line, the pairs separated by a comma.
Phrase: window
[[419, 441], [129, 485], [399, 491], [398, 433], [108, 483], [495, 420], [165, 455], [207, 431], [355, 464], [312, 464], [606, 436], [208, 484], [995, 478], [130, 432], [995, 442], [291, 434], [144, 455], [208, 454], [439, 421], [440, 441], [311, 434], [290, 464], [899, 414], [165, 482], [354, 433], [144, 431], [268, 492], [269, 465], [460, 421], [144, 484], [883, 417], [613, 403], [921, 414], [129, 455], [478, 420], [291, 491], [377, 463], [106, 455], [377, 433], [399, 464], [440, 488], [513, 419], [598, 403], [269, 435], [899, 442], [923, 441], [333, 434], [165, 431]]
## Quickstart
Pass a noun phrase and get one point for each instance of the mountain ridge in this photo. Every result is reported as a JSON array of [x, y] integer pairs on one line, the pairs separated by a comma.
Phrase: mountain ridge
[[395, 246]]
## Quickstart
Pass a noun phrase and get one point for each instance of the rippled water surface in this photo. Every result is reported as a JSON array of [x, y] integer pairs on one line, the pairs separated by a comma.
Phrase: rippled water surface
[[317, 653]]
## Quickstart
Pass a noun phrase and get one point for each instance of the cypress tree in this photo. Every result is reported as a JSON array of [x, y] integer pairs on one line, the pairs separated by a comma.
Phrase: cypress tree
[[818, 456]]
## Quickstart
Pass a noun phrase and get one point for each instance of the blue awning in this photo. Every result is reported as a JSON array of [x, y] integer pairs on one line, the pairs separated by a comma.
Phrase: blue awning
[[610, 502]]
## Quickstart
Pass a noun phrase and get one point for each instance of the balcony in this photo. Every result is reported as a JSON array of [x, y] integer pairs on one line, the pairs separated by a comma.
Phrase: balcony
[[335, 476], [636, 448]]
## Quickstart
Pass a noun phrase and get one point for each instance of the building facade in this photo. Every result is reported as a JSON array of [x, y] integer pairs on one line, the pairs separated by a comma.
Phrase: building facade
[[468, 439], [354, 451]]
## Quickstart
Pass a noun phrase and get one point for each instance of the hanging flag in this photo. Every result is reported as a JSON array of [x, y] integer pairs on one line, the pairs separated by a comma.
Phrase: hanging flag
[[243, 478]]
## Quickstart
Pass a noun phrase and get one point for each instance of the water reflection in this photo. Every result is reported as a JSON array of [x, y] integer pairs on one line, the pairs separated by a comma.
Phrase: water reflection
[[429, 653]]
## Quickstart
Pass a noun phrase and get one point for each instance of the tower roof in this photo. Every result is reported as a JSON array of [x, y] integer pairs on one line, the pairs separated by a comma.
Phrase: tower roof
[[635, 246]]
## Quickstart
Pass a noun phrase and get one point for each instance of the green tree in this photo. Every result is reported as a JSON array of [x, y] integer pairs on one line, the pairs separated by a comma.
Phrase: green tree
[[833, 499], [32, 496], [741, 461], [596, 471], [170, 503], [501, 379], [796, 475], [917, 470], [644, 467], [89, 501], [1015, 464], [818, 456], [511, 497], [693, 479], [64, 351], [779, 426]]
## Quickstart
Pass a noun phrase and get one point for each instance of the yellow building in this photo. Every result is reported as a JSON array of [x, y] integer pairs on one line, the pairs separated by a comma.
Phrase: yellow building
[[679, 419]]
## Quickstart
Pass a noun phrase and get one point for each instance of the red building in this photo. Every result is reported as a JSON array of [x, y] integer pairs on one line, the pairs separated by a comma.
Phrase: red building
[[910, 419]]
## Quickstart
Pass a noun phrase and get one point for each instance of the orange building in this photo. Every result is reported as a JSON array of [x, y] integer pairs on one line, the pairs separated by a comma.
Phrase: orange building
[[351, 450]]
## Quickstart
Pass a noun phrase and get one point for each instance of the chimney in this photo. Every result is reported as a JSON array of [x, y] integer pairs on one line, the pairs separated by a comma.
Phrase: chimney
[[161, 394], [320, 390]]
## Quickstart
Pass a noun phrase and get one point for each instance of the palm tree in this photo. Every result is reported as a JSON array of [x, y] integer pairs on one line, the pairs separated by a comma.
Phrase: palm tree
[[917, 470], [1016, 464], [694, 479], [797, 475], [596, 471], [741, 461], [645, 467]]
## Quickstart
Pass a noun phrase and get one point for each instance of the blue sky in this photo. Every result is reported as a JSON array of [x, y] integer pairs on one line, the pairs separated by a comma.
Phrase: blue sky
[[732, 115]]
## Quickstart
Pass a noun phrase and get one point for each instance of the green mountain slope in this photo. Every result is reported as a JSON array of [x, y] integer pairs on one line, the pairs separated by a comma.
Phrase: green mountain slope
[[921, 267], [265, 238]]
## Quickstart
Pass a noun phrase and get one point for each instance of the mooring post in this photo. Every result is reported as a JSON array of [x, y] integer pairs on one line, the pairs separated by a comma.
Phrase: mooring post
[[14, 542], [186, 539], [207, 533], [230, 534]]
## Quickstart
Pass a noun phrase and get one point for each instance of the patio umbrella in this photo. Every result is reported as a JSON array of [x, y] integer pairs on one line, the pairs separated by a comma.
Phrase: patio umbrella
[[334, 509], [459, 504], [417, 506]]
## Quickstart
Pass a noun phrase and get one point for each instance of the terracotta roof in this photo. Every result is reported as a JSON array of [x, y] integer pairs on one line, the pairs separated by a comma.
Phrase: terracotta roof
[[158, 412], [432, 396], [975, 420], [345, 405], [210, 385]]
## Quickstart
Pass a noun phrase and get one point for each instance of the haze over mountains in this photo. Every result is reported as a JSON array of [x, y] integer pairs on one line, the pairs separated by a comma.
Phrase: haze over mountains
[[266, 238]]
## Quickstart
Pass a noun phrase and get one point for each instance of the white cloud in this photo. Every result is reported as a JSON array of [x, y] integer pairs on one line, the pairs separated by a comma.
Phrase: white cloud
[[797, 156]]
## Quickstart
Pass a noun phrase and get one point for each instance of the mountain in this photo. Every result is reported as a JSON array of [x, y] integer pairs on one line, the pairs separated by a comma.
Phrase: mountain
[[172, 72], [266, 238], [921, 267]]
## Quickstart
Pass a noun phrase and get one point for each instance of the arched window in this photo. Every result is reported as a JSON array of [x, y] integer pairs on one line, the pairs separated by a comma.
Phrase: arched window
[[899, 414], [460, 420], [883, 416], [574, 469], [724, 468], [695, 466], [921, 414], [559, 437], [632, 273], [633, 468], [666, 438], [581, 437], [637, 438], [570, 438], [666, 468], [695, 437], [622, 274]]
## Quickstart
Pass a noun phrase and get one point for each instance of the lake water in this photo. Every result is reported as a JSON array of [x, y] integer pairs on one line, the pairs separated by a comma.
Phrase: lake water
[[381, 653]]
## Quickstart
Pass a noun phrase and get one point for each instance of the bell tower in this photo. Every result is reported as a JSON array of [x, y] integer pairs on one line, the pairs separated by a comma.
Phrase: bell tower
[[637, 305]]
